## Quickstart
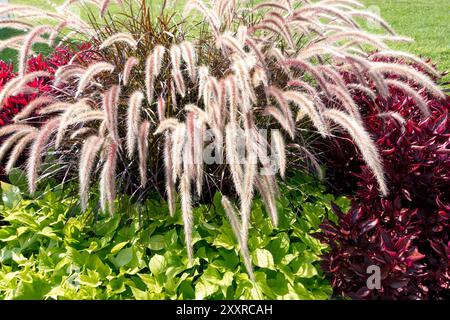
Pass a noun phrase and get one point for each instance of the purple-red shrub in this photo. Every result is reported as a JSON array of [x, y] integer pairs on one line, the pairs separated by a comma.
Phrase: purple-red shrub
[[406, 234]]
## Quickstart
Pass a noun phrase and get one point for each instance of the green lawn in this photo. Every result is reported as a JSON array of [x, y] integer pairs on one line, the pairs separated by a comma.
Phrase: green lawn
[[427, 21]]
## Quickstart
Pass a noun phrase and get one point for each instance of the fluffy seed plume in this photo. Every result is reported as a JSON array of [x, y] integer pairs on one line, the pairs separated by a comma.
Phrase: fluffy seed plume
[[27, 44], [186, 210], [279, 149], [119, 37], [364, 142], [237, 229], [91, 72], [143, 151], [89, 152], [409, 73], [18, 150], [131, 62], [35, 157], [107, 179], [133, 121], [29, 109]]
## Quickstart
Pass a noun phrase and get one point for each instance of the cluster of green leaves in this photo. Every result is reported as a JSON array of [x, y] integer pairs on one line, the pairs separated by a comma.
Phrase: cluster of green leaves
[[48, 250]]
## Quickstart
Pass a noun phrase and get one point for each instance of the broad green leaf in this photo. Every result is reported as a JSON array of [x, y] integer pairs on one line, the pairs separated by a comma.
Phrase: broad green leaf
[[156, 242], [118, 247], [11, 195], [124, 257], [157, 264], [263, 259]]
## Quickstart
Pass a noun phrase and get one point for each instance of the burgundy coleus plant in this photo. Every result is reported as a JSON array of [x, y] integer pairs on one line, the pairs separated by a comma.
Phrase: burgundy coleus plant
[[406, 234]]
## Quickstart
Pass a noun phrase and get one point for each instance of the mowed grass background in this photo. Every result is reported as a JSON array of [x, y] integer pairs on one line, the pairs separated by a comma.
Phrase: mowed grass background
[[426, 21]]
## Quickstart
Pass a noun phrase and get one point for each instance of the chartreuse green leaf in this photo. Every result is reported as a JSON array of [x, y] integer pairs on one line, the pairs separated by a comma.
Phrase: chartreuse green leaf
[[263, 259], [11, 195], [50, 250]]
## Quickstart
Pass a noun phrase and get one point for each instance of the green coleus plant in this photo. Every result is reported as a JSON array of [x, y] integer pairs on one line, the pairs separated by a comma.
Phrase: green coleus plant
[[49, 250]]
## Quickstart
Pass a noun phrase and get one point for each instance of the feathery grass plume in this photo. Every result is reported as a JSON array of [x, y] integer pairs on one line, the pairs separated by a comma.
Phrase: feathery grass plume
[[280, 118], [15, 85], [307, 106], [107, 178], [264, 185], [90, 73], [35, 157], [373, 17], [89, 153], [363, 89], [407, 56], [27, 44], [31, 107], [12, 43], [203, 74], [299, 64], [56, 31], [131, 62], [66, 118], [167, 124], [133, 121], [178, 143], [81, 132], [119, 37], [161, 108], [104, 7], [168, 173], [365, 144], [86, 117], [394, 115], [411, 74], [284, 107], [189, 56], [421, 103], [110, 100], [260, 77], [175, 58], [250, 171], [179, 83], [279, 148], [359, 37], [19, 149], [188, 152], [210, 16], [236, 226], [280, 22], [153, 69], [233, 160], [54, 108], [10, 142], [346, 101], [271, 5], [320, 9], [187, 214], [16, 128], [228, 41], [198, 148], [143, 151], [67, 72], [231, 94]]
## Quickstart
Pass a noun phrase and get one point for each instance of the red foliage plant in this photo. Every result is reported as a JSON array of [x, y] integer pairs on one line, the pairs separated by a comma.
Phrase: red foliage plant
[[406, 234]]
